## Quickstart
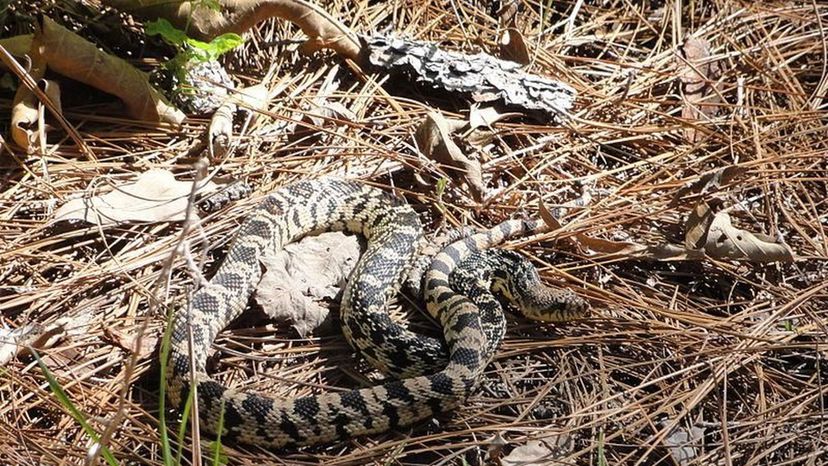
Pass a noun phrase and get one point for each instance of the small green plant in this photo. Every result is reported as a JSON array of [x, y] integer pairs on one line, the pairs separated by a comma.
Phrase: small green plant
[[440, 191], [191, 51], [166, 451], [441, 187]]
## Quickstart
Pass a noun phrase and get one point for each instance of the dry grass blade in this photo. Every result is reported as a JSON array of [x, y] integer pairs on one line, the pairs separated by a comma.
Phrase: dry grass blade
[[702, 361]]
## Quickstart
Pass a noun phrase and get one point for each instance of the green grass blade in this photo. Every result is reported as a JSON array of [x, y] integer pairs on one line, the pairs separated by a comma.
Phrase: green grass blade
[[219, 458], [166, 452], [64, 400]]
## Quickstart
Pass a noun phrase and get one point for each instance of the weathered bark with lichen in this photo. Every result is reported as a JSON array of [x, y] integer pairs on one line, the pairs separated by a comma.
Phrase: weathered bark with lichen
[[481, 77]]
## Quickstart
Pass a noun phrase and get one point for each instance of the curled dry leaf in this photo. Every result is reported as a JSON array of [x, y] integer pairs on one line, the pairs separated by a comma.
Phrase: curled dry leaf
[[17, 45], [28, 115], [509, 13], [156, 196], [319, 110], [709, 182], [25, 114], [539, 452], [534, 453], [697, 225], [701, 100], [724, 241], [73, 56], [481, 120], [303, 273], [513, 47], [708, 234], [711, 230], [486, 117], [433, 138], [495, 446], [143, 347], [661, 252]]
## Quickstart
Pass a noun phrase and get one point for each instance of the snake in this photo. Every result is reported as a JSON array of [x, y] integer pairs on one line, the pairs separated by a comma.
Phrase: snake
[[447, 374]]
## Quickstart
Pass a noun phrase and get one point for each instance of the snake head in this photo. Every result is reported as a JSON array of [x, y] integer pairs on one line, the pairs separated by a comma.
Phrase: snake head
[[522, 285]]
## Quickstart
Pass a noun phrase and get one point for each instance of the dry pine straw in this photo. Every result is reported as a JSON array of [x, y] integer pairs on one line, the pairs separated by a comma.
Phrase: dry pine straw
[[736, 350]]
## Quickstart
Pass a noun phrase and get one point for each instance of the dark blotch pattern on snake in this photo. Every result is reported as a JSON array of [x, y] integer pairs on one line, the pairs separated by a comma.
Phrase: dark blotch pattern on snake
[[394, 235]]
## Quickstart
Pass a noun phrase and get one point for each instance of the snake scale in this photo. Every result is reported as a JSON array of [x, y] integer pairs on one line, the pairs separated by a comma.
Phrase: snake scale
[[394, 236]]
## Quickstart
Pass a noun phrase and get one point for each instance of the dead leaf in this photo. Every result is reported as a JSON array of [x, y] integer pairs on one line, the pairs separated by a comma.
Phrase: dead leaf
[[26, 128], [17, 45], [479, 133], [29, 125], [724, 241], [660, 252], [509, 13], [709, 182], [73, 56], [303, 273], [697, 225], [701, 101], [321, 110], [486, 117], [130, 342], [433, 138], [15, 341], [513, 47], [539, 452], [534, 453], [684, 445], [156, 196], [495, 446]]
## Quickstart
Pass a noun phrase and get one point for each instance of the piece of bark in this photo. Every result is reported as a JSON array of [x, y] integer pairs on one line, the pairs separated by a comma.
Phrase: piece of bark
[[480, 77]]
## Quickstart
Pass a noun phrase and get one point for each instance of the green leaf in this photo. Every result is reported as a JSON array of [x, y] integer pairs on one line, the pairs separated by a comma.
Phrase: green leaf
[[200, 45], [168, 32], [226, 42], [166, 451], [222, 44]]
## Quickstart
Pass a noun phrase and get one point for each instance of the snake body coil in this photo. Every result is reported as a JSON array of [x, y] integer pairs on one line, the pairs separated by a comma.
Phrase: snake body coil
[[394, 234]]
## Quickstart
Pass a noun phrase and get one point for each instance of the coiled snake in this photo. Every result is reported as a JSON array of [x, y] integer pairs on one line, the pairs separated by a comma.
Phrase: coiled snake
[[394, 235]]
